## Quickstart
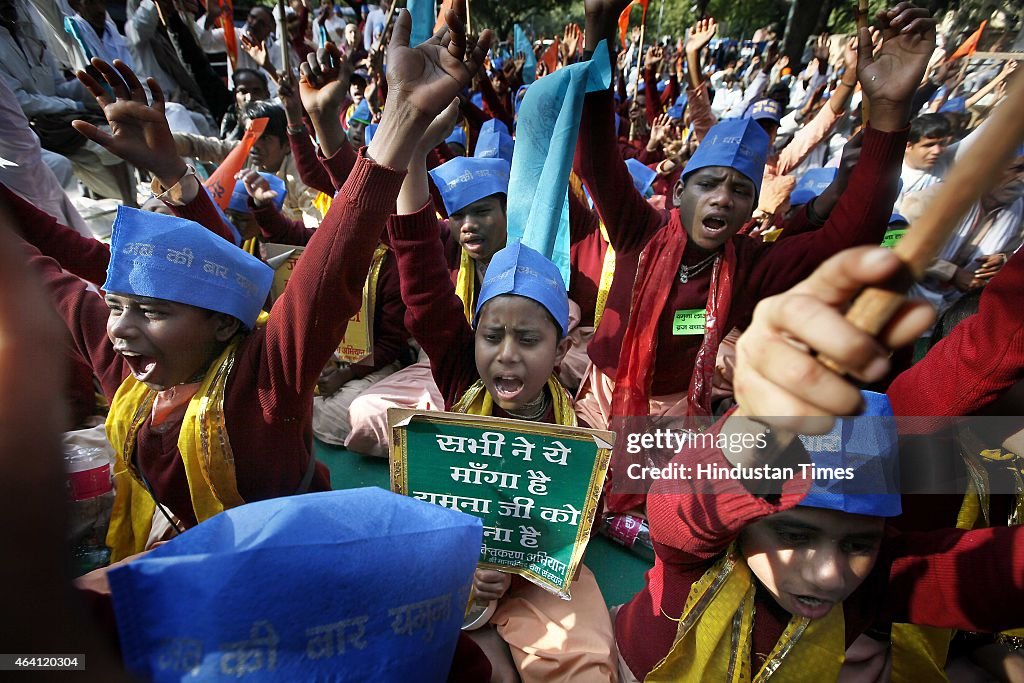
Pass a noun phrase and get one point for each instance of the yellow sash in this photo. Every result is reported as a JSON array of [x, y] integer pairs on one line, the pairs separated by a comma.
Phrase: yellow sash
[[357, 344], [478, 401], [715, 632], [920, 652], [608, 265], [251, 246], [205, 451], [322, 203], [465, 285]]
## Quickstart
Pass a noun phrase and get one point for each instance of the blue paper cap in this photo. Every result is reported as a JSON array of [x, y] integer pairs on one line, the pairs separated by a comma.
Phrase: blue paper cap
[[356, 585], [457, 137], [240, 198], [811, 184], [898, 219], [520, 94], [464, 180], [494, 144], [478, 100], [955, 105], [369, 132], [765, 109], [868, 446], [677, 109], [166, 257], [494, 126], [518, 269], [736, 143], [643, 177], [361, 113]]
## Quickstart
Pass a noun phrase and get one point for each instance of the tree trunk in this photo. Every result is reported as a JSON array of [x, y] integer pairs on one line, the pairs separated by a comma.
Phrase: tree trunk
[[826, 11], [803, 15]]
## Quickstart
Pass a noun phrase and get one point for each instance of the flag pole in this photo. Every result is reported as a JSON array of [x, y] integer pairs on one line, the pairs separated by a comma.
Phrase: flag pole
[[282, 29], [862, 22]]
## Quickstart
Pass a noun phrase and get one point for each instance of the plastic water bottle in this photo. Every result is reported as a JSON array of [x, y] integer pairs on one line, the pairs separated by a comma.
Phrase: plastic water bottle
[[629, 531], [91, 500]]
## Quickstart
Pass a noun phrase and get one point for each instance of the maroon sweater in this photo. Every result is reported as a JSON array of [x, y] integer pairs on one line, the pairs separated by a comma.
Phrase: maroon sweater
[[268, 402], [389, 334], [945, 578], [762, 269]]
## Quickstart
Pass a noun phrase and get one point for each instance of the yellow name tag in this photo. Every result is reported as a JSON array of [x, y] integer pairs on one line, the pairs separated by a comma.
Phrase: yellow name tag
[[689, 322], [892, 237]]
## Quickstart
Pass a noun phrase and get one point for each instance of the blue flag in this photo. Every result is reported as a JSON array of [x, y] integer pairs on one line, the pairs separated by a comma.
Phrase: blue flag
[[360, 585], [524, 46], [422, 13], [538, 191]]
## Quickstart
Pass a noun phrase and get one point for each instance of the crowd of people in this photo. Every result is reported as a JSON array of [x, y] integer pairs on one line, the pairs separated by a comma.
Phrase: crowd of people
[[725, 205]]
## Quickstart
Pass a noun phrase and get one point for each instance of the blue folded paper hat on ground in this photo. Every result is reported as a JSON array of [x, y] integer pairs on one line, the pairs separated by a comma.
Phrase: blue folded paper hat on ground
[[518, 269], [866, 447], [370, 131], [357, 585], [240, 198], [811, 184], [955, 105], [361, 113], [494, 144], [765, 109], [166, 257], [642, 176], [464, 180], [735, 143]]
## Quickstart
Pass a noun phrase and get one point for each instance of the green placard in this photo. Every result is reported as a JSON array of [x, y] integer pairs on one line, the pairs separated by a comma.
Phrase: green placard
[[690, 321], [892, 237], [534, 485]]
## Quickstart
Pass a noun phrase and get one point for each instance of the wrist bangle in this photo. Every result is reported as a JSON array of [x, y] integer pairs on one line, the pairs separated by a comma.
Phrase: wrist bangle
[[297, 129], [173, 195]]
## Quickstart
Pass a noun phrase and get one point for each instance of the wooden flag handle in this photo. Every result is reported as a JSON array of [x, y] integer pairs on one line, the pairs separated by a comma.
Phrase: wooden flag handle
[[969, 179]]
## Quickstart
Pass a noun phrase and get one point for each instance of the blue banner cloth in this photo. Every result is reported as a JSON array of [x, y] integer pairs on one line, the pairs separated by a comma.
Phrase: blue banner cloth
[[356, 585], [538, 190], [525, 47]]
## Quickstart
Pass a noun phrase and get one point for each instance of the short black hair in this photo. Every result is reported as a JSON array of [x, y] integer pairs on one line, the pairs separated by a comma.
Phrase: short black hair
[[929, 126], [278, 123], [252, 72]]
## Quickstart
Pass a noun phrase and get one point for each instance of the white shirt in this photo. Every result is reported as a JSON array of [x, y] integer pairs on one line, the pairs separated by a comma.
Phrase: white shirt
[[212, 40]]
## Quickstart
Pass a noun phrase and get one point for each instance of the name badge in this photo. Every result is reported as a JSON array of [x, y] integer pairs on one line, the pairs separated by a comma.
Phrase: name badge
[[689, 322], [892, 237]]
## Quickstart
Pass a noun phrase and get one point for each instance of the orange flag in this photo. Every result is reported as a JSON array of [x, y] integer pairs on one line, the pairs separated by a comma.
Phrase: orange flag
[[624, 18], [226, 23], [550, 56], [970, 46], [445, 6], [222, 182]]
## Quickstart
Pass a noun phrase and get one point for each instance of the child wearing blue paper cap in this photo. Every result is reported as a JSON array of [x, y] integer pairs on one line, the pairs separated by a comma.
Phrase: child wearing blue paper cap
[[501, 362]]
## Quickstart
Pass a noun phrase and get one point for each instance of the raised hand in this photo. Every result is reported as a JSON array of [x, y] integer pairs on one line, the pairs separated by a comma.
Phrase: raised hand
[[821, 49], [891, 76], [518, 62], [323, 89], [660, 130], [256, 50], [257, 187], [571, 39], [427, 77], [139, 133], [776, 370], [654, 57], [850, 57], [288, 91], [700, 34], [440, 128]]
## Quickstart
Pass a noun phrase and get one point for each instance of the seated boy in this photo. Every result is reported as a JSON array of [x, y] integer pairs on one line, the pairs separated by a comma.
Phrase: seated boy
[[503, 365], [806, 574], [475, 230]]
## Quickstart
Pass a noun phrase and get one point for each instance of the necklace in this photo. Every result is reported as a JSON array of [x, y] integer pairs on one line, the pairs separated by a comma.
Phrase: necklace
[[533, 410], [686, 272]]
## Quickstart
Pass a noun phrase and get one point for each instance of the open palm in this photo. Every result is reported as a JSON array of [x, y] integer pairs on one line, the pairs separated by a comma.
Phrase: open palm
[[431, 74], [895, 71]]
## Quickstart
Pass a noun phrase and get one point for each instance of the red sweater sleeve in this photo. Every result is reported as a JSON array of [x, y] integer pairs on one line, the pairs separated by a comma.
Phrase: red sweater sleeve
[[652, 98], [311, 169], [203, 211], [85, 316], [325, 290], [627, 216], [79, 255], [434, 313], [339, 165], [278, 228], [860, 217], [980, 359], [949, 578]]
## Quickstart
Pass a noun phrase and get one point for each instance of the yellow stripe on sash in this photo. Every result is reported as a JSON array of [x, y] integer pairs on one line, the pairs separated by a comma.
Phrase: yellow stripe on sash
[[357, 344]]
